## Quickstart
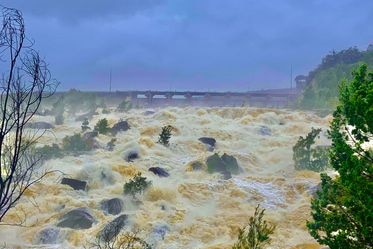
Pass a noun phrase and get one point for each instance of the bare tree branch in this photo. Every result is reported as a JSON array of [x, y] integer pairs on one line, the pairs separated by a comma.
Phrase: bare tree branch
[[25, 82]]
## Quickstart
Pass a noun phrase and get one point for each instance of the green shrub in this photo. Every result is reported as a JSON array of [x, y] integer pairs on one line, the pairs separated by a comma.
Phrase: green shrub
[[48, 152], [165, 135], [256, 234], [75, 144], [102, 126], [307, 157], [137, 185]]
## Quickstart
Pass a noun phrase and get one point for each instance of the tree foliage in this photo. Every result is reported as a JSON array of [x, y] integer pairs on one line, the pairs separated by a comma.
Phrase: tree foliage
[[137, 185], [165, 135], [256, 235], [343, 209], [307, 157], [75, 144], [102, 126], [321, 91]]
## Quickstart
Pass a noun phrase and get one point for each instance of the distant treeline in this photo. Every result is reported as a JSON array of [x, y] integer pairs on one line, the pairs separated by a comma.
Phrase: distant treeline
[[321, 91]]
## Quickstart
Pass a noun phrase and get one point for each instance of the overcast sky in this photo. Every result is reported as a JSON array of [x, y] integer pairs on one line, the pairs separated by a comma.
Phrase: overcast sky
[[223, 45]]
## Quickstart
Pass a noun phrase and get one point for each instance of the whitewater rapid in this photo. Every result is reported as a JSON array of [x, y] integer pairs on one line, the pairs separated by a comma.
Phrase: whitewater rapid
[[200, 210]]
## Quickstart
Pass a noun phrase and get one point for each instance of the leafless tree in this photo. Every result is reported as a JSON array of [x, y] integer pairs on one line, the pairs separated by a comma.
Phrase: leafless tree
[[113, 237], [24, 82]]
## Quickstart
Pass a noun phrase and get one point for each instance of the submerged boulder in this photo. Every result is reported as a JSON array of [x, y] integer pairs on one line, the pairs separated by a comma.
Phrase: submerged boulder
[[120, 126], [74, 183], [265, 130], [147, 113], [209, 142], [195, 165], [113, 228], [48, 235], [159, 171], [131, 155], [79, 218], [39, 125], [112, 206], [158, 233]]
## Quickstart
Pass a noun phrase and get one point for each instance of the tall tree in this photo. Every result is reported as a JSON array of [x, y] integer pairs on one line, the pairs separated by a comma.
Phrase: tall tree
[[343, 209], [25, 81]]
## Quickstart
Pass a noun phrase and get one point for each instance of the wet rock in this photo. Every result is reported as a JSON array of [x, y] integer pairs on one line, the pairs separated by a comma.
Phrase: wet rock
[[216, 164], [147, 113], [159, 171], [74, 183], [131, 155], [160, 231], [48, 235], [209, 142], [231, 163], [120, 126], [226, 165], [196, 165], [113, 228], [265, 131], [107, 176], [40, 125], [112, 206], [79, 218]]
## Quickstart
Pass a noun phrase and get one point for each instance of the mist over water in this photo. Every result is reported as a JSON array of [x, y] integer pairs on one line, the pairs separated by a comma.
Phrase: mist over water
[[198, 209]]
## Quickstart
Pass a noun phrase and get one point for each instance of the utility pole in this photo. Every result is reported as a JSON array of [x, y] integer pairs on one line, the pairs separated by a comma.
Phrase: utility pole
[[291, 76], [110, 81]]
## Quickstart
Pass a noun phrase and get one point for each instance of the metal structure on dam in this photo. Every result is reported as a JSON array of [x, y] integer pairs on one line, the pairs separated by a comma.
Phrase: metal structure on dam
[[264, 98]]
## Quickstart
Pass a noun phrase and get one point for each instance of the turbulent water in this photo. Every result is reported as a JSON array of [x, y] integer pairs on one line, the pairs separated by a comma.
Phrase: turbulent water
[[200, 210]]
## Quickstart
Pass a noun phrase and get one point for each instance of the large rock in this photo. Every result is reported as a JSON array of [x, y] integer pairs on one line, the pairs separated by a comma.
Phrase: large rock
[[40, 125], [159, 171], [79, 218], [113, 228], [112, 206], [209, 142], [120, 126], [147, 113], [231, 163], [131, 155], [225, 164], [48, 235], [74, 183], [196, 165]]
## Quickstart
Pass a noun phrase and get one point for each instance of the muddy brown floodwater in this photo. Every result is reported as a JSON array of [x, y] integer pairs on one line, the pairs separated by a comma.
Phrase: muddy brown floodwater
[[195, 209]]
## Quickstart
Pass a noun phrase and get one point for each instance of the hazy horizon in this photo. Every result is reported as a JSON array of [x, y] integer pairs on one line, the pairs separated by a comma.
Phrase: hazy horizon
[[190, 45]]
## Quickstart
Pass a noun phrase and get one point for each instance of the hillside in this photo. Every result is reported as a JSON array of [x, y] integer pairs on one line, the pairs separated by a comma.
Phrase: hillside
[[321, 91]]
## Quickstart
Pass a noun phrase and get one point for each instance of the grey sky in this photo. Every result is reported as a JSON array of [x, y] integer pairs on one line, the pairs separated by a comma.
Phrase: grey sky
[[219, 45]]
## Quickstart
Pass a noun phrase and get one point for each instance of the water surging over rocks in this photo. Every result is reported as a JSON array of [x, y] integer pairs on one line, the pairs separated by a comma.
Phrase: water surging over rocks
[[189, 207]]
